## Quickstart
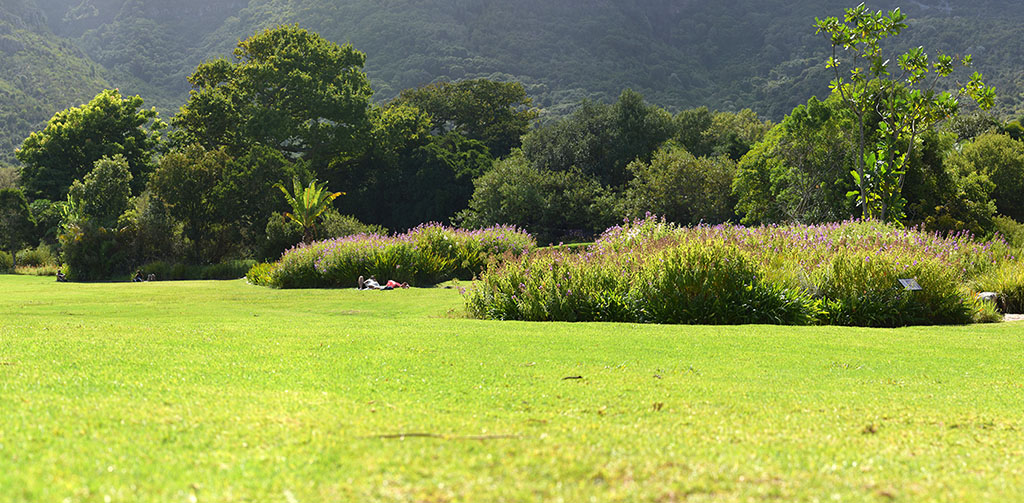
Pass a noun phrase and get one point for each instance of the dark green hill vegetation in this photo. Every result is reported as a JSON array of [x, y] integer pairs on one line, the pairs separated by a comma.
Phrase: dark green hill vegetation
[[40, 74], [725, 55]]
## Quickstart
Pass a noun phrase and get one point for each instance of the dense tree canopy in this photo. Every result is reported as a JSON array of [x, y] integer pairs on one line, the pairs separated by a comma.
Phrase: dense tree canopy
[[495, 113], [288, 89], [74, 139]]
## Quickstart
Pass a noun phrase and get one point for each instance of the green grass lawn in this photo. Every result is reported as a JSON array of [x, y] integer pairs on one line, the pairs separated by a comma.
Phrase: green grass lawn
[[220, 391]]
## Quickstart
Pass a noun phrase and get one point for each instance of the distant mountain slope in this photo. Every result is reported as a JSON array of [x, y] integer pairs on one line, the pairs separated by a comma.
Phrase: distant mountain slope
[[726, 54], [39, 74]]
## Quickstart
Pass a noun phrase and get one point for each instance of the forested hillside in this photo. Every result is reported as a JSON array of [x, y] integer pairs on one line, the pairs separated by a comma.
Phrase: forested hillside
[[727, 55]]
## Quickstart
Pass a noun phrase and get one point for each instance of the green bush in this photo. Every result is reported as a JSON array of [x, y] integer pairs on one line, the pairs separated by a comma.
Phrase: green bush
[[652, 271], [426, 255], [863, 289], [94, 253], [1007, 280], [260, 274], [36, 257], [1011, 230], [6, 262], [336, 225], [163, 271], [708, 284]]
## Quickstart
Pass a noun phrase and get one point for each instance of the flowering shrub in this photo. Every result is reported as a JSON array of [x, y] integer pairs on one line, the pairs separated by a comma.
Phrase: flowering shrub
[[863, 289], [426, 255], [712, 284], [649, 270]]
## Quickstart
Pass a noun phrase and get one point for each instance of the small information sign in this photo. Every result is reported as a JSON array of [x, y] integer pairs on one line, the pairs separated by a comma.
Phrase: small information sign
[[910, 284]]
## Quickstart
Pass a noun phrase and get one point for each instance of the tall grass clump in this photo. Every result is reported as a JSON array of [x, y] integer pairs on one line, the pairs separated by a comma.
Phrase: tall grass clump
[[1007, 281], [674, 283], [426, 255], [36, 257], [6, 262], [649, 270], [863, 289]]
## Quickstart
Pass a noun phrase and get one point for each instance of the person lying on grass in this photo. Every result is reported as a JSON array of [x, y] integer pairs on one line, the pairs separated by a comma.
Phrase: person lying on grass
[[372, 284]]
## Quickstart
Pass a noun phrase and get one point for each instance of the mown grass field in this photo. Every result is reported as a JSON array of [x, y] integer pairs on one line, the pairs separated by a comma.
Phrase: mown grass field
[[221, 391]]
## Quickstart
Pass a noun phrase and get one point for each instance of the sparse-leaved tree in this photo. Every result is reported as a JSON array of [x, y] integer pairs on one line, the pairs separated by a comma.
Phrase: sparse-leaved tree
[[905, 99]]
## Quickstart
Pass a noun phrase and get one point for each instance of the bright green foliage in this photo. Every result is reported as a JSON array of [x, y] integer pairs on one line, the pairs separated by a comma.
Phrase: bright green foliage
[[288, 89], [16, 223], [91, 252], [104, 194], [1001, 159], [682, 188], [427, 255], [74, 139], [552, 205], [702, 283], [797, 173], [495, 113], [944, 192], [907, 101], [94, 244], [863, 289], [307, 203]]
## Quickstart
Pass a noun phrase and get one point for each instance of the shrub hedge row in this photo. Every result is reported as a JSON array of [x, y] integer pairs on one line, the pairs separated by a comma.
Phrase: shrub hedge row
[[651, 271], [427, 255]]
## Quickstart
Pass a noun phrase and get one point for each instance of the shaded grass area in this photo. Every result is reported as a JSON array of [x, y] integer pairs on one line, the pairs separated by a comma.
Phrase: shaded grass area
[[220, 391]]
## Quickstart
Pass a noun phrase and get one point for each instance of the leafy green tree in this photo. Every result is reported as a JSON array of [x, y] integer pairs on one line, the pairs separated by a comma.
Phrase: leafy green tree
[[187, 181], [307, 203], [797, 172], [907, 102], [104, 194], [246, 194], [16, 224], [75, 138], [495, 113], [690, 126], [408, 175], [288, 89], [682, 188], [1000, 158], [600, 140], [552, 205], [944, 193]]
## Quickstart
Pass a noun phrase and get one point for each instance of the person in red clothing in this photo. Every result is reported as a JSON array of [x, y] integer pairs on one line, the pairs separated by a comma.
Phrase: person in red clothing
[[371, 284]]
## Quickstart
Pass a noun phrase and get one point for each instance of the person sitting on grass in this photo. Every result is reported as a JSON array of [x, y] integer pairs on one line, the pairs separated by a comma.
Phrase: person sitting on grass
[[138, 277], [61, 278]]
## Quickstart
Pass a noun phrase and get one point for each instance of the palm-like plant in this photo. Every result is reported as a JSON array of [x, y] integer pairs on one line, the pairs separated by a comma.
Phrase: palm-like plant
[[307, 203]]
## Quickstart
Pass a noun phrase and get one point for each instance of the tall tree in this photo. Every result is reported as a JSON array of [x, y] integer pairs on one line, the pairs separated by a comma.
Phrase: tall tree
[[600, 140], [495, 113], [74, 139], [288, 89], [15, 220], [104, 193], [906, 101]]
